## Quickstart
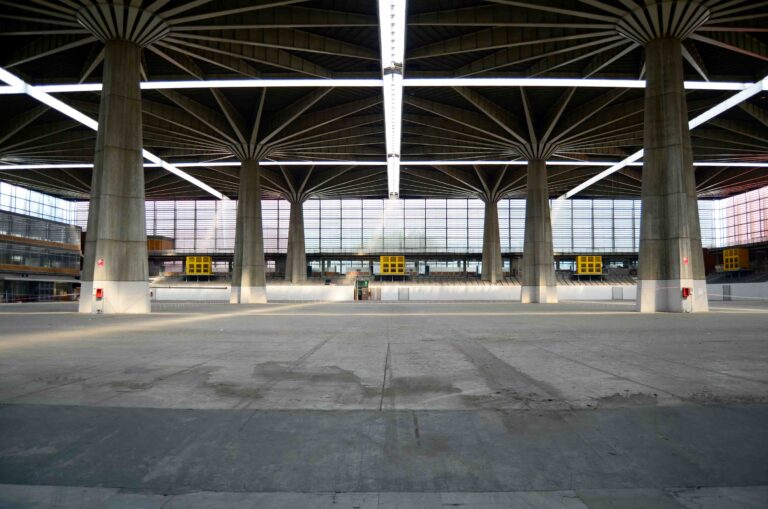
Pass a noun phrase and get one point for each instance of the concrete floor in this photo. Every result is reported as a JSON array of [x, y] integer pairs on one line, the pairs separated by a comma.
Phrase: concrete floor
[[573, 405]]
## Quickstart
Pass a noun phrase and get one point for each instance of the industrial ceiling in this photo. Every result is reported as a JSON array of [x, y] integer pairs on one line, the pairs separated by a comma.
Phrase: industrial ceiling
[[466, 126]]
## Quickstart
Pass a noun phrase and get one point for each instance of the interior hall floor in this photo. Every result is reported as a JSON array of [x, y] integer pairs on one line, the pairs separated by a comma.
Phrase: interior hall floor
[[384, 405]]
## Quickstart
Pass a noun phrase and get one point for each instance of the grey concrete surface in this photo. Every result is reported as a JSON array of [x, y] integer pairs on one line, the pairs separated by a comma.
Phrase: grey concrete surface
[[19, 496], [384, 405]]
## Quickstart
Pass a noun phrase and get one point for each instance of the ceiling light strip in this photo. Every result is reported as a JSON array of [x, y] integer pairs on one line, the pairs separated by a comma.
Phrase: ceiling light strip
[[72, 113], [320, 163], [368, 83], [220, 164], [392, 22], [561, 82]]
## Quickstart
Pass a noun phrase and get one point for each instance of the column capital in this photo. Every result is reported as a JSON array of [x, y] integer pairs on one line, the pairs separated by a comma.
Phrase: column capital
[[538, 151], [111, 21], [246, 151], [675, 19]]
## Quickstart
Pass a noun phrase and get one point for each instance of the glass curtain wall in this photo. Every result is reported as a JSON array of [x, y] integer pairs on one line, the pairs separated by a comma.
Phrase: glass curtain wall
[[31, 203], [412, 225], [431, 225], [742, 219]]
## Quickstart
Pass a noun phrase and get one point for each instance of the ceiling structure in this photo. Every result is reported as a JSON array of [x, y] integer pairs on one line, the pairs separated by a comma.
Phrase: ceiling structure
[[454, 137]]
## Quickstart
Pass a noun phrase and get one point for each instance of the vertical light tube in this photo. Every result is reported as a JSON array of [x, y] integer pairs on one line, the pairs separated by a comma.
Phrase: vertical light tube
[[392, 20]]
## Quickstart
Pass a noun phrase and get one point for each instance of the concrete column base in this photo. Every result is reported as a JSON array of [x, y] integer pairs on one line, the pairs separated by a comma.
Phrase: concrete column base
[[253, 295], [538, 294], [667, 295], [234, 295], [127, 297]]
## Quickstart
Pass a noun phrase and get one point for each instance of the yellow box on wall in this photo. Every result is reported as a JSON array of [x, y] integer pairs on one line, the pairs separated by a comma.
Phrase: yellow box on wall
[[736, 258], [392, 265], [589, 265], [198, 266]]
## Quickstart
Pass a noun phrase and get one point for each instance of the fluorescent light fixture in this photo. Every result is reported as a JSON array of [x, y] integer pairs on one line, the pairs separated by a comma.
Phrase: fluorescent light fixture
[[600, 176], [462, 162], [393, 115], [711, 113], [392, 20], [186, 176], [734, 165], [393, 112], [727, 104], [392, 33], [393, 177], [374, 82], [714, 85], [79, 87], [561, 82], [268, 83], [322, 163], [516, 162], [522, 82], [87, 121], [46, 99], [235, 164], [5, 167], [205, 84], [9, 89], [220, 164]]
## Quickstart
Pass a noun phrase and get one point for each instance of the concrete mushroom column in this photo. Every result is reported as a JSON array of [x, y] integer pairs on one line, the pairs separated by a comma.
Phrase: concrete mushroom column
[[492, 262], [115, 263], [671, 258], [248, 273], [538, 259], [116, 244], [296, 257]]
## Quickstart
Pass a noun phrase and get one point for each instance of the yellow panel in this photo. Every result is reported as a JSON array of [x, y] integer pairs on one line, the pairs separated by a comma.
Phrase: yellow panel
[[736, 258], [198, 265], [589, 265], [392, 265]]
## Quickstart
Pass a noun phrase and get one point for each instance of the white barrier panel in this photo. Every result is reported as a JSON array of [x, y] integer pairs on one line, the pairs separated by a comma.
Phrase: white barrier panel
[[574, 292], [311, 293], [499, 292], [274, 292], [738, 291], [345, 293], [468, 292], [190, 293], [390, 292]]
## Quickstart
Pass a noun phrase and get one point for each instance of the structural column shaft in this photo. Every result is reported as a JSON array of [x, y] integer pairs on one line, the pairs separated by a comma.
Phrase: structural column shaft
[[492, 267], [538, 260], [248, 275], [670, 240], [296, 257], [116, 243]]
